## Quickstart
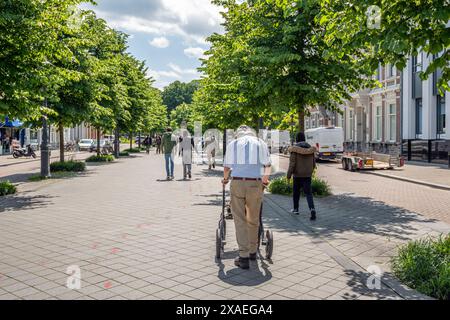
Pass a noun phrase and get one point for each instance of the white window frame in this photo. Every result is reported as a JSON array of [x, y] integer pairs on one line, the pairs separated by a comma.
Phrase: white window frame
[[377, 128], [351, 121], [390, 115]]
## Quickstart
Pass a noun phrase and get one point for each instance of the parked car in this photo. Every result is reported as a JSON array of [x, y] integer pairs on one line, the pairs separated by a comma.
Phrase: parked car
[[85, 144], [106, 147], [103, 144]]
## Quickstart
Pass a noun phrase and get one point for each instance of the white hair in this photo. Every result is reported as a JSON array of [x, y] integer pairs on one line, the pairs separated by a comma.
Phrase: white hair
[[245, 131]]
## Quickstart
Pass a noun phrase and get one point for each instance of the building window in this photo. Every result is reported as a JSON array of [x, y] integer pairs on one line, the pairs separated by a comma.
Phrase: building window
[[391, 70], [441, 125], [352, 125], [417, 63], [419, 119], [417, 81], [378, 123], [392, 122]]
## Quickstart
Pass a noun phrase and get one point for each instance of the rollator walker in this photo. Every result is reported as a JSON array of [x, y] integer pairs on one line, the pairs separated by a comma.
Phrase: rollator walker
[[265, 237]]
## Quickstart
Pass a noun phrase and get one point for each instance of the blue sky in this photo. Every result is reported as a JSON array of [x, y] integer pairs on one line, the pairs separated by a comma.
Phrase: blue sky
[[168, 34]]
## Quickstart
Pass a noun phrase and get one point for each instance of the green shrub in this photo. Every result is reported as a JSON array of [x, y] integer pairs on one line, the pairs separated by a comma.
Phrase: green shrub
[[124, 154], [68, 166], [102, 158], [134, 150], [320, 187], [424, 265], [7, 188], [282, 186]]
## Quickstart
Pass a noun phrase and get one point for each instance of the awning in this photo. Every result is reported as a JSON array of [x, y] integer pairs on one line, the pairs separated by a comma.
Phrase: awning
[[11, 124]]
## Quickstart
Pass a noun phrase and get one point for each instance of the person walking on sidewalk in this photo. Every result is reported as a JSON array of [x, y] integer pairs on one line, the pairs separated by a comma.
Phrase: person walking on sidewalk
[[168, 143], [186, 146], [302, 163], [211, 145], [247, 163], [158, 144]]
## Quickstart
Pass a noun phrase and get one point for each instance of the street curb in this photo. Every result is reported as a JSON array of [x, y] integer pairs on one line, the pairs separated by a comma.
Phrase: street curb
[[418, 182]]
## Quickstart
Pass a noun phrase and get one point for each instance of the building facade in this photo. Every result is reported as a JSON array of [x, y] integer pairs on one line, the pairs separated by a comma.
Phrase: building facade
[[426, 134], [372, 118], [405, 116]]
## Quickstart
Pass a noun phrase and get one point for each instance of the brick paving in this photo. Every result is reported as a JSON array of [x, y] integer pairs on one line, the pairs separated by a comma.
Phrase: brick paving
[[135, 237]]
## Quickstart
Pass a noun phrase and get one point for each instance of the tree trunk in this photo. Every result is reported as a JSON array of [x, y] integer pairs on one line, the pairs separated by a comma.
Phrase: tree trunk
[[139, 141], [131, 140], [98, 142], [301, 120], [45, 153], [117, 143], [61, 142]]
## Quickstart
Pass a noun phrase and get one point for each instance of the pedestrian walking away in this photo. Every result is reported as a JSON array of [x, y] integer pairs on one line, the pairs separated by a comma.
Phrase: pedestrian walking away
[[158, 142], [186, 146], [168, 143], [148, 144], [302, 164], [211, 146], [247, 163]]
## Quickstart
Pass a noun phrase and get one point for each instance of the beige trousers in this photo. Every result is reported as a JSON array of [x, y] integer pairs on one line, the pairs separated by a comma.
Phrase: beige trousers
[[246, 201]]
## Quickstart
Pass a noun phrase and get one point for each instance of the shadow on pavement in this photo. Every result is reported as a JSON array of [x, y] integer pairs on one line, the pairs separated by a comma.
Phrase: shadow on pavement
[[18, 178], [345, 213], [255, 276], [23, 202]]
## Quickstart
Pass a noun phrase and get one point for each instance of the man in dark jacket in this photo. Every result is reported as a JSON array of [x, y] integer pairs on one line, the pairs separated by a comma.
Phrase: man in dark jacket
[[301, 166]]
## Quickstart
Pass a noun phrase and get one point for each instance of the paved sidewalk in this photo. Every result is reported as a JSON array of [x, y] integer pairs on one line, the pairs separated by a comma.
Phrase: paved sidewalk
[[425, 174], [135, 237]]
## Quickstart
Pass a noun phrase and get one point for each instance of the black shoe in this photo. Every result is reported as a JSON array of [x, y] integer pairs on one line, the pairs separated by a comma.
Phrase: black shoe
[[295, 211], [313, 215], [252, 257], [243, 263]]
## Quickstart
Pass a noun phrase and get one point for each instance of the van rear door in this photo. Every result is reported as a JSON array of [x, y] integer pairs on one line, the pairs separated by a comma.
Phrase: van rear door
[[331, 140]]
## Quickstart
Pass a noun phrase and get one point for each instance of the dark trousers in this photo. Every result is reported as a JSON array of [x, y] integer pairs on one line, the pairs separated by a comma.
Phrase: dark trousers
[[305, 185]]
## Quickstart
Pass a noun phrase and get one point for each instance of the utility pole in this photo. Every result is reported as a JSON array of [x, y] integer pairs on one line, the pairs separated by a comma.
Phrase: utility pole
[[45, 152]]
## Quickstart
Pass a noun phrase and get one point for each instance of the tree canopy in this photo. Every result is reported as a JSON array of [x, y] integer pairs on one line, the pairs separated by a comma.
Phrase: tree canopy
[[271, 60], [405, 28], [178, 93]]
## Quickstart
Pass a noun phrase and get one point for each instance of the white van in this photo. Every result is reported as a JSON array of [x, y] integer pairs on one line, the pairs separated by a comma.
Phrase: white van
[[329, 142]]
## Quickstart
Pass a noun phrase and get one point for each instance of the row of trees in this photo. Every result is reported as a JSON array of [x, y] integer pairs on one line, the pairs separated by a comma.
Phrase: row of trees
[[278, 57], [63, 65]]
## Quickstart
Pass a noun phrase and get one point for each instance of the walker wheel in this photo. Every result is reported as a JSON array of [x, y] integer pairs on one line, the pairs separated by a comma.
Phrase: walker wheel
[[269, 244]]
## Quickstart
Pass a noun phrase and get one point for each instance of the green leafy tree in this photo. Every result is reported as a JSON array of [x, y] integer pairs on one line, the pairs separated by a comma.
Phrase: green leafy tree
[[405, 28], [178, 93], [30, 38], [272, 60]]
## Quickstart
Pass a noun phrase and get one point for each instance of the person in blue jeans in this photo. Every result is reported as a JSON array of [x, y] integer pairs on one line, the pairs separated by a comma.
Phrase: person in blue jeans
[[168, 144], [302, 164]]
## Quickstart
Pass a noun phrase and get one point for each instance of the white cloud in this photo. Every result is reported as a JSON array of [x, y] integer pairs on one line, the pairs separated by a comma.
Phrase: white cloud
[[194, 52], [193, 20], [161, 42], [174, 72]]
